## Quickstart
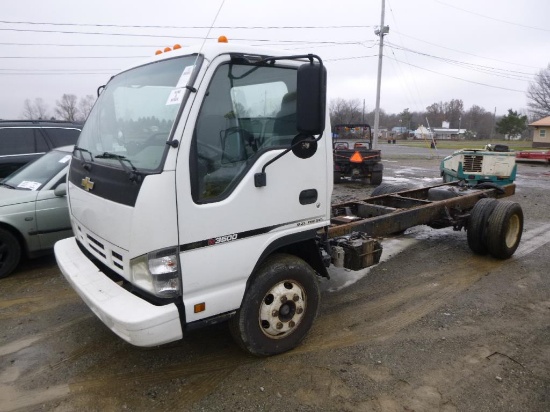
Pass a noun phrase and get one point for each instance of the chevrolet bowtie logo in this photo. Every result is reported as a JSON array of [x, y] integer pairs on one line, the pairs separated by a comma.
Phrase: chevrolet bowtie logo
[[87, 184]]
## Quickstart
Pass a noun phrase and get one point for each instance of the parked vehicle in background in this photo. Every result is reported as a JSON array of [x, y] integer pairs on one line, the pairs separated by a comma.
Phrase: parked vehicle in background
[[33, 209], [22, 141], [494, 163], [353, 155], [538, 155]]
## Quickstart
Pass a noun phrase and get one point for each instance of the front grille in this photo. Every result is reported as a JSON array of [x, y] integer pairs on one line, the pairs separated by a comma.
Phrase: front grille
[[109, 255], [472, 163]]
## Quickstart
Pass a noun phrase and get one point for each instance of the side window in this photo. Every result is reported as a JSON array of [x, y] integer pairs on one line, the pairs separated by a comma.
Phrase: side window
[[247, 110], [62, 137], [40, 142], [14, 141], [542, 132]]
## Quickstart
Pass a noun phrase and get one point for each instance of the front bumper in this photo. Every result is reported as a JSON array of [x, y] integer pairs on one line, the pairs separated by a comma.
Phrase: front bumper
[[130, 317]]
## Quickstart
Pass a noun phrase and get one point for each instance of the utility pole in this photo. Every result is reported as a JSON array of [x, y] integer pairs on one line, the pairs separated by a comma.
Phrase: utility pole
[[381, 31]]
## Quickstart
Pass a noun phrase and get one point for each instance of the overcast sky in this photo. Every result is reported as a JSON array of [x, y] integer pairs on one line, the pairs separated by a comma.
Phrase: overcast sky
[[483, 52]]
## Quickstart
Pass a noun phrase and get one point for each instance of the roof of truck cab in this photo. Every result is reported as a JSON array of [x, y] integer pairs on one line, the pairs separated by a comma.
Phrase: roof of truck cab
[[211, 50]]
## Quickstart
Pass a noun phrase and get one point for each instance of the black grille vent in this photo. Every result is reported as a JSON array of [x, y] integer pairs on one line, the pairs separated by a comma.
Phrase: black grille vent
[[472, 163]]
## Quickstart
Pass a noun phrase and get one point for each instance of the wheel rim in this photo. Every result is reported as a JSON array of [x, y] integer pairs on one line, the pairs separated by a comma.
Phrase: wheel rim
[[512, 233], [282, 309]]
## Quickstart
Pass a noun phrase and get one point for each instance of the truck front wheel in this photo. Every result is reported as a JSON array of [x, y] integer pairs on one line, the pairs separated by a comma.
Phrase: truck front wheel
[[278, 307]]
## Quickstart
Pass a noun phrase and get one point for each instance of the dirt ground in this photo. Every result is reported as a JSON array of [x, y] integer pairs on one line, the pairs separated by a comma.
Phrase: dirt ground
[[433, 327]]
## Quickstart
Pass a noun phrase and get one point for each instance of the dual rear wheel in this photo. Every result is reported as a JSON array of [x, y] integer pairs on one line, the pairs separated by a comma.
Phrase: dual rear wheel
[[495, 227]]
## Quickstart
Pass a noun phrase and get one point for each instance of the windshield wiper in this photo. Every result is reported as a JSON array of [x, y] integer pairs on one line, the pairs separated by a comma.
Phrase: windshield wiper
[[7, 185], [85, 163], [133, 174]]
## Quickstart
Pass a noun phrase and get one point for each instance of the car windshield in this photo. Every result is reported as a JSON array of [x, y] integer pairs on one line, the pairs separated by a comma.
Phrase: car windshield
[[134, 115], [36, 174]]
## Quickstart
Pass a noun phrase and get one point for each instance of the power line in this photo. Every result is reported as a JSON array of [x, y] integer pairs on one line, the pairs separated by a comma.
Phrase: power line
[[72, 57], [458, 78], [492, 18], [461, 51], [77, 45], [178, 37], [183, 27], [510, 74]]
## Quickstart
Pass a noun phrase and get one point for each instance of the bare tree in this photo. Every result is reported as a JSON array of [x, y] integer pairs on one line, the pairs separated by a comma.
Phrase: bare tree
[[478, 122], [66, 108], [538, 94], [28, 110], [36, 110], [345, 111], [41, 108], [85, 106]]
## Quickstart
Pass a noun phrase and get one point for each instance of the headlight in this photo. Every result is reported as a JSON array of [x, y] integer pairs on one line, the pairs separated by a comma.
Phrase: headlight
[[157, 272]]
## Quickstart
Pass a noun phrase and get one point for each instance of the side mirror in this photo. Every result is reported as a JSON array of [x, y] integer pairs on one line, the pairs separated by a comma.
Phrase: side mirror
[[60, 190], [311, 98]]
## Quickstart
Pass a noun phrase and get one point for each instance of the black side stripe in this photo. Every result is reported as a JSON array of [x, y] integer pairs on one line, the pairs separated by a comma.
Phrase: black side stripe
[[232, 237], [44, 232]]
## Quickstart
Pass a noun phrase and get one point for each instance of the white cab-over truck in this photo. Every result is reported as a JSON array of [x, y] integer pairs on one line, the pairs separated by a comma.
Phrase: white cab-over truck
[[200, 191]]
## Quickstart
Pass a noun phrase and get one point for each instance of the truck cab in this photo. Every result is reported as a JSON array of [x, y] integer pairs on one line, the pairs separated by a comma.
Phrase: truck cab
[[196, 176]]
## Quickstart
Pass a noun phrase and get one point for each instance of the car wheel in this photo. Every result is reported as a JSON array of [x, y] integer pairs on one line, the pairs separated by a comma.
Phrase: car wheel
[[10, 252], [278, 308]]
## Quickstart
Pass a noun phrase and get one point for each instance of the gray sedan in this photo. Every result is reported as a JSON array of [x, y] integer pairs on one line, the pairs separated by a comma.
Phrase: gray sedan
[[33, 209]]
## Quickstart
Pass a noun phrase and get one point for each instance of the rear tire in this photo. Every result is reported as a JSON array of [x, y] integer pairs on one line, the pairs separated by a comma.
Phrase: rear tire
[[504, 229], [278, 308], [10, 253], [387, 188], [477, 225], [376, 178]]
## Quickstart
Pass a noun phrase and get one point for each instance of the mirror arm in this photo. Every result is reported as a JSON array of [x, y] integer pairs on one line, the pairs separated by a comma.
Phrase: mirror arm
[[260, 179]]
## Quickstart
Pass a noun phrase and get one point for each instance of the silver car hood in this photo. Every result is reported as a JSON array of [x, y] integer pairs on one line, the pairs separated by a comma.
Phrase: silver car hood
[[10, 197]]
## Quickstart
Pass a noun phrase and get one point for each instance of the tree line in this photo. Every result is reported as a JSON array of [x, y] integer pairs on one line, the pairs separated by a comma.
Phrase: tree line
[[479, 123], [69, 108]]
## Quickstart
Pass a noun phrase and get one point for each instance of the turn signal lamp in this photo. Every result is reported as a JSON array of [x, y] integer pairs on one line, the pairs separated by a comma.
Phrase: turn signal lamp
[[356, 158], [222, 39]]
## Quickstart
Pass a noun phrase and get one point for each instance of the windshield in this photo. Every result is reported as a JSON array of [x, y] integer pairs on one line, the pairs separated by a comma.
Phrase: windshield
[[36, 174], [134, 115]]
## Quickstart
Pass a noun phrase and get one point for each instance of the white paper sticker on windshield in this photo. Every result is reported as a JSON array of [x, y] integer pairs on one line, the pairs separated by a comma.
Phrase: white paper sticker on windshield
[[25, 184], [65, 159], [176, 96], [184, 78]]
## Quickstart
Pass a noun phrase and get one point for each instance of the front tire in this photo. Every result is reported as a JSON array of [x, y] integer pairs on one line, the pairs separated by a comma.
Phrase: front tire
[[10, 253], [278, 308]]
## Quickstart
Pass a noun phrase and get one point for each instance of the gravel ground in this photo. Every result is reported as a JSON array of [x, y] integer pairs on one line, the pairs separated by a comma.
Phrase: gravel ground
[[433, 327]]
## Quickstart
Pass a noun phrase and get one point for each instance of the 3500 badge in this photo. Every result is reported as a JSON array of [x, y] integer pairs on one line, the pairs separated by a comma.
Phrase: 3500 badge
[[222, 239]]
